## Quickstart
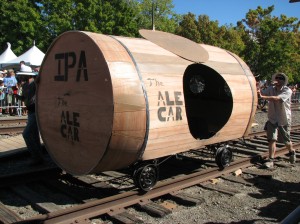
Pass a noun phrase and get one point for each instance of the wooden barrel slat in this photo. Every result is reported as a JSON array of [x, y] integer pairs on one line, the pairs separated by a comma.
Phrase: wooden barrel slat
[[127, 99]]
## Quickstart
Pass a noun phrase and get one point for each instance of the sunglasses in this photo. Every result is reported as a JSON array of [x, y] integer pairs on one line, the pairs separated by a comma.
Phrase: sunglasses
[[280, 78]]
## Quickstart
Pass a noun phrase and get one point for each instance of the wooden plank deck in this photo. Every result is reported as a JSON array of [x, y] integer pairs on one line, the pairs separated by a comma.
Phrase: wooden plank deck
[[12, 145]]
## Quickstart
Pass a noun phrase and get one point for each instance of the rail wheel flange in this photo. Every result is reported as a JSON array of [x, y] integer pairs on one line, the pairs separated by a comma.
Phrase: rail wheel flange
[[145, 176], [223, 156]]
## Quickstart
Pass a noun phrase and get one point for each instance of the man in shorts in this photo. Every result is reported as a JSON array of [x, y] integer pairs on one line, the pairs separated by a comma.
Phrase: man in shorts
[[278, 96]]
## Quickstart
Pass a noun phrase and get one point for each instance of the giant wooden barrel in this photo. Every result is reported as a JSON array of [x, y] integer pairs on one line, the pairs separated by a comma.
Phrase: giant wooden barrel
[[105, 102]]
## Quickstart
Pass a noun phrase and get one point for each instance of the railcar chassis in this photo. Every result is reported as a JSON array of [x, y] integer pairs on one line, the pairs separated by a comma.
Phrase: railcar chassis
[[145, 174]]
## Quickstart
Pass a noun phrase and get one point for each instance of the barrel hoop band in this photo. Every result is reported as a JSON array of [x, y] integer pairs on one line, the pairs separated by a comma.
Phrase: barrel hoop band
[[251, 86], [143, 147]]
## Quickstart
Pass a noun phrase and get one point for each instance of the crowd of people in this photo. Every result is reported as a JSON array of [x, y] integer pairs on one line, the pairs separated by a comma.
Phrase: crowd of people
[[11, 84], [19, 89]]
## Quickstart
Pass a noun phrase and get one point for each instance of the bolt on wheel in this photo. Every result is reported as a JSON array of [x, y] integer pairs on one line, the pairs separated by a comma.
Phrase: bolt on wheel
[[223, 157], [145, 177]]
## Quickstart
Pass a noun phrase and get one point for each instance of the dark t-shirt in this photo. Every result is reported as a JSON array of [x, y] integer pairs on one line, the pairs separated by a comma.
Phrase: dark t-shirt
[[29, 96]]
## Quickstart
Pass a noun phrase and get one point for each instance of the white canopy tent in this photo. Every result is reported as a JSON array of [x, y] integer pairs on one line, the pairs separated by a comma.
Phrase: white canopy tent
[[33, 57], [7, 55]]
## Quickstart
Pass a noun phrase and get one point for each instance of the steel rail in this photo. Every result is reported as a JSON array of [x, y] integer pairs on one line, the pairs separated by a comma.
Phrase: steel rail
[[116, 204], [12, 129], [12, 124], [13, 120]]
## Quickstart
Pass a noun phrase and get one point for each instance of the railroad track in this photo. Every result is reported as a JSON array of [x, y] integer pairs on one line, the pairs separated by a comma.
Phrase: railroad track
[[48, 195], [12, 125]]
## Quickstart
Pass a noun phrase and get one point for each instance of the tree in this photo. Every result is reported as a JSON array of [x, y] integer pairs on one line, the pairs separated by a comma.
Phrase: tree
[[114, 17], [232, 40], [267, 43], [209, 32], [188, 28], [165, 19], [272, 43], [24, 21], [20, 25]]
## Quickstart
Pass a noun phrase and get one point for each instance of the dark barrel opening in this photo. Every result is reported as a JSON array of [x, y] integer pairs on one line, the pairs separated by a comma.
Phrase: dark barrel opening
[[208, 100]]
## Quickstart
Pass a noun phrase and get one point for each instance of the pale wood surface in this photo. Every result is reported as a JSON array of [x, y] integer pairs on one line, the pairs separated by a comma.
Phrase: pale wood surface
[[110, 105], [167, 138], [89, 102], [12, 145], [181, 46], [129, 79]]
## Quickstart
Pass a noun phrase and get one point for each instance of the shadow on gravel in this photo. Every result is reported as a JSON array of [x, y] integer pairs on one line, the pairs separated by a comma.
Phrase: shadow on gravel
[[287, 196], [239, 222]]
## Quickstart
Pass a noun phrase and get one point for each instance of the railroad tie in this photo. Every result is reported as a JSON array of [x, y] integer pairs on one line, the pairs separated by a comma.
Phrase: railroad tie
[[155, 209], [187, 199], [7, 215], [126, 218], [221, 189]]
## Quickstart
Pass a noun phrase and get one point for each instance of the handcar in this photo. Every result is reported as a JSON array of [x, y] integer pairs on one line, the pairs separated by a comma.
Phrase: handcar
[[110, 102]]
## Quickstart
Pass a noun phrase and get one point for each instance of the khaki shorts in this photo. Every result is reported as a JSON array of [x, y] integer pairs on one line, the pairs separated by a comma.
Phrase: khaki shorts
[[273, 130]]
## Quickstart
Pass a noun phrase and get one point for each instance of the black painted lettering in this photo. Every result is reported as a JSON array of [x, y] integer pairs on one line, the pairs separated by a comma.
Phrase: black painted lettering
[[82, 67], [170, 114], [178, 113], [159, 113], [69, 57], [75, 134], [63, 118], [59, 76], [161, 99], [75, 121], [176, 96], [169, 102], [69, 122], [67, 61], [70, 133]]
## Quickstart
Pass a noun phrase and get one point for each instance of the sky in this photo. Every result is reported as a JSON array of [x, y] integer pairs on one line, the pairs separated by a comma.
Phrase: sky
[[231, 11]]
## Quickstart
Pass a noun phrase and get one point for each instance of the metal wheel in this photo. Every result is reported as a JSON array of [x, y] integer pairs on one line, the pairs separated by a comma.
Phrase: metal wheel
[[145, 177], [223, 156]]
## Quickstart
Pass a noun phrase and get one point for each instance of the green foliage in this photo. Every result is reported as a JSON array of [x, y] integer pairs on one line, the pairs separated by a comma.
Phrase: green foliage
[[112, 17], [20, 25], [188, 28], [24, 21], [209, 32], [164, 17], [267, 43], [272, 44]]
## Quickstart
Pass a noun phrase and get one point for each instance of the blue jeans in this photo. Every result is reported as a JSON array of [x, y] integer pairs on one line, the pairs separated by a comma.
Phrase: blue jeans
[[32, 137]]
